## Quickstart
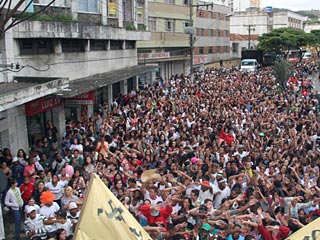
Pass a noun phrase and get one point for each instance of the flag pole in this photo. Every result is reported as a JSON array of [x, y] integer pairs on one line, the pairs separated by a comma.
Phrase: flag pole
[[94, 175]]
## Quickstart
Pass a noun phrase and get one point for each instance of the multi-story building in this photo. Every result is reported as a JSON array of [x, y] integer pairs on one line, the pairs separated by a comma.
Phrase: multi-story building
[[212, 41], [169, 47], [255, 22], [85, 55]]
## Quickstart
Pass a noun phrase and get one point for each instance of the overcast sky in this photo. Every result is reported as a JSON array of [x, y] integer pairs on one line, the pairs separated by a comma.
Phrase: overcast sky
[[292, 4]]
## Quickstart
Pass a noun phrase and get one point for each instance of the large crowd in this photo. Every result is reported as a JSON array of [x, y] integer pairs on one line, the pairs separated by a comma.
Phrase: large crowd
[[224, 155]]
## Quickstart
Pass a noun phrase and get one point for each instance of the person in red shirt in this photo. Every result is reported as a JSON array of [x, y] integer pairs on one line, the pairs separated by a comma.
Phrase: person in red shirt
[[273, 231], [26, 189], [158, 213]]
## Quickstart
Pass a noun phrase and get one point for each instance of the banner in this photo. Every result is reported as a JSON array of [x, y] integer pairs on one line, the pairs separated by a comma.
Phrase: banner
[[308, 232], [41, 105], [104, 217]]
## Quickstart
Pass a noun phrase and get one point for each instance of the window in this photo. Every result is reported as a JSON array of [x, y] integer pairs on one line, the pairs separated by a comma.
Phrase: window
[[217, 49], [72, 45], [210, 50], [112, 8], [186, 2], [217, 32], [217, 16], [169, 1], [115, 45], [186, 24], [225, 33], [169, 26], [235, 47], [225, 49], [209, 15], [209, 32], [200, 31], [88, 6], [152, 24], [36, 46], [130, 44], [98, 45], [200, 50]]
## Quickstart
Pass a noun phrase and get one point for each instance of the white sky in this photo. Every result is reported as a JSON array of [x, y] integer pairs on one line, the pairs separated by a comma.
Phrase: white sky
[[293, 5]]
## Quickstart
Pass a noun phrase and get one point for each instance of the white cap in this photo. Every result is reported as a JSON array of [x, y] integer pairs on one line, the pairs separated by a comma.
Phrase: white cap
[[72, 205], [30, 209]]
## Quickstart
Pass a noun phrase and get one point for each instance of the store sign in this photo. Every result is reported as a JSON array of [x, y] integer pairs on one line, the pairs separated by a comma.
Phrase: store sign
[[41, 105], [268, 9], [142, 56], [83, 99], [199, 60]]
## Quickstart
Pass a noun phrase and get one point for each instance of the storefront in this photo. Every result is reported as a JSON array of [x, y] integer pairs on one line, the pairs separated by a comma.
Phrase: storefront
[[79, 107], [38, 112]]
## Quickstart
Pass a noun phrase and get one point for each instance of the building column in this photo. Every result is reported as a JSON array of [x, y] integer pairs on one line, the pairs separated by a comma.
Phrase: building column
[[135, 13], [110, 99], [57, 46], [124, 86], [74, 9], [17, 129], [120, 13], [104, 11], [145, 20], [58, 120]]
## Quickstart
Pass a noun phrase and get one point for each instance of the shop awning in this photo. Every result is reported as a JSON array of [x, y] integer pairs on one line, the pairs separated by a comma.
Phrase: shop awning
[[93, 82], [24, 90]]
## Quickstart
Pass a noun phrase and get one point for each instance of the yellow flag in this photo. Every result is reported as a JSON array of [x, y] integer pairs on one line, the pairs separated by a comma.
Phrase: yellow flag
[[308, 232], [104, 217]]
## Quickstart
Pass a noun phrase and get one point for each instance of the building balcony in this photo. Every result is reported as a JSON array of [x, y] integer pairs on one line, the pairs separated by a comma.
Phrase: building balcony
[[78, 30]]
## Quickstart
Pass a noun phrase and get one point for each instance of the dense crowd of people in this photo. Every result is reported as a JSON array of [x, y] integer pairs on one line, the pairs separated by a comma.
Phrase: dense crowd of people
[[226, 155]]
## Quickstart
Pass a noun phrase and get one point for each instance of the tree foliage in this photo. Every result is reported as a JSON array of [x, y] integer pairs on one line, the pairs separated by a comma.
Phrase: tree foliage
[[281, 40], [314, 40], [282, 71]]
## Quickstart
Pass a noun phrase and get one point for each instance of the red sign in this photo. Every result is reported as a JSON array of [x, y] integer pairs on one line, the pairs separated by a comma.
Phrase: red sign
[[41, 105], [199, 60], [83, 99]]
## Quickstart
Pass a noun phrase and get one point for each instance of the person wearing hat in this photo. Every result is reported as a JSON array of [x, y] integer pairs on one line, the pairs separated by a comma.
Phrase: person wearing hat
[[223, 192], [204, 232], [34, 225], [206, 191], [17, 170], [73, 214]]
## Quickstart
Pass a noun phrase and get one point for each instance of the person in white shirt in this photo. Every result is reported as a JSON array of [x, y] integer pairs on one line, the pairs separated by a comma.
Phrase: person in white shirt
[[49, 207], [14, 200], [224, 192], [56, 187]]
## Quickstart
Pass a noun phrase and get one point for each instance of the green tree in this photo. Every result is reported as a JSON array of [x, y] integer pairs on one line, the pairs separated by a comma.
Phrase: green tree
[[282, 71], [281, 40], [314, 40]]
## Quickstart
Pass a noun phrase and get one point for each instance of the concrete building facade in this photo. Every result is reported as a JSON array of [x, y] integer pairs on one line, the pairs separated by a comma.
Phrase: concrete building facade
[[62, 69]]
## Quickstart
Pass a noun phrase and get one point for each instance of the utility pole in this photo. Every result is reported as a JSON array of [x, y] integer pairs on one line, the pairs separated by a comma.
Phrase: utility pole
[[191, 6], [249, 40]]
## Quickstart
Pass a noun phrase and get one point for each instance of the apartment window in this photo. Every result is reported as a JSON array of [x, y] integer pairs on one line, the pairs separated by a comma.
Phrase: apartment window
[[88, 6], [217, 16], [217, 49], [200, 32], [217, 32], [98, 45], [169, 25], [112, 8], [235, 47], [210, 50], [225, 49], [35, 46], [186, 2], [72, 45], [141, 1], [186, 24], [152, 24], [169, 1], [115, 45], [209, 15], [225, 34], [200, 50], [209, 33], [130, 44]]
